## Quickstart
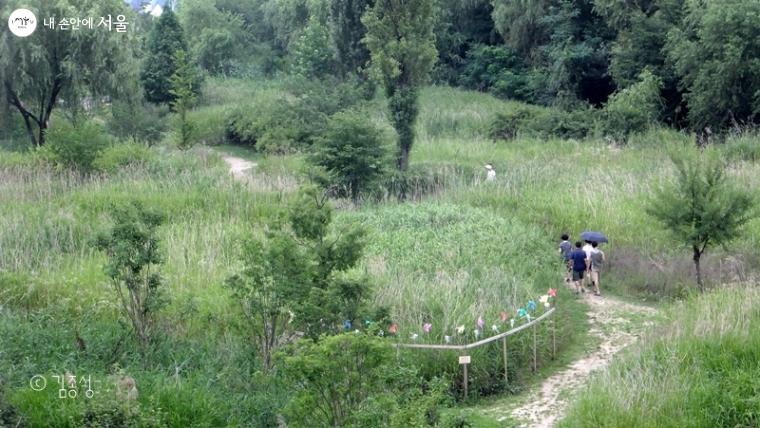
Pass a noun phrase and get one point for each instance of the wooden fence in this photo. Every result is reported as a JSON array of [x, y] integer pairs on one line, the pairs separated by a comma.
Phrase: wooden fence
[[464, 360]]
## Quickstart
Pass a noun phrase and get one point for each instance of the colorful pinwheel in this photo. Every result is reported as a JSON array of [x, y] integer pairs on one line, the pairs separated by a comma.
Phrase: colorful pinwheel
[[521, 313], [552, 292], [481, 323], [460, 329], [426, 327], [393, 329], [503, 316], [531, 305], [347, 325], [447, 339], [495, 328]]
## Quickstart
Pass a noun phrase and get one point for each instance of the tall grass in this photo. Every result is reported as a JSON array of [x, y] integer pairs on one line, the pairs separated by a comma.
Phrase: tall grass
[[699, 369]]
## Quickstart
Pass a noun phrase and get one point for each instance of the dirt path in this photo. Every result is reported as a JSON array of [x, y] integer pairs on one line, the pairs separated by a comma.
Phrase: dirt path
[[238, 166], [616, 324]]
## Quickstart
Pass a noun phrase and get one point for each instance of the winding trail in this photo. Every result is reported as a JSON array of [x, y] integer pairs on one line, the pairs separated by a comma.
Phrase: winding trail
[[616, 324], [238, 166]]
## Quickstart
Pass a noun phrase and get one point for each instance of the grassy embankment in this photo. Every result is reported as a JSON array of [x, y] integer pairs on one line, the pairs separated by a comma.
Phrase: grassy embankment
[[467, 249]]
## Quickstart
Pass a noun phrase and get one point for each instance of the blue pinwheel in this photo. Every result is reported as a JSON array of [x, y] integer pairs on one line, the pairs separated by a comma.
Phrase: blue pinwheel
[[531, 305]]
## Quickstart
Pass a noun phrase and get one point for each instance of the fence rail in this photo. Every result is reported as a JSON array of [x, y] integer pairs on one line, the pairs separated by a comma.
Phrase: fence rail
[[502, 336]]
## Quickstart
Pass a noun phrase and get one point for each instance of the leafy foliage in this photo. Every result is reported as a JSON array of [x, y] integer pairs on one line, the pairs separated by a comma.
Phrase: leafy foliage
[[704, 207], [714, 52], [296, 277], [353, 380], [78, 66], [633, 109], [353, 154], [166, 38], [77, 146], [402, 46], [133, 254], [183, 83]]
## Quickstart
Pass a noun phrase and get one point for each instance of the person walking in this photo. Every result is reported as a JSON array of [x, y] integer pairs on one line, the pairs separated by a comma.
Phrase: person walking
[[587, 247], [596, 260], [580, 264], [565, 247]]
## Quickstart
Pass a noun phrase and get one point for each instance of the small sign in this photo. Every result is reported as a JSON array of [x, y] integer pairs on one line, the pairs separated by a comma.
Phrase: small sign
[[464, 359]]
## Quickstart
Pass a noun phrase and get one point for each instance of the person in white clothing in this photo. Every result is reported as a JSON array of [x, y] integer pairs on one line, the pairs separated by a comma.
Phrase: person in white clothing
[[588, 248], [491, 174]]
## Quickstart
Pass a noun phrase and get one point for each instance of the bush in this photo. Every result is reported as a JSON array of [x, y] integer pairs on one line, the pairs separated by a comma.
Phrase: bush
[[498, 69], [120, 155], [76, 146], [542, 122], [140, 122], [354, 379], [353, 153], [633, 109], [276, 126]]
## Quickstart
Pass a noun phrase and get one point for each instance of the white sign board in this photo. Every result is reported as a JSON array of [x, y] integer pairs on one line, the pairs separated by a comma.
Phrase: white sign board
[[464, 359]]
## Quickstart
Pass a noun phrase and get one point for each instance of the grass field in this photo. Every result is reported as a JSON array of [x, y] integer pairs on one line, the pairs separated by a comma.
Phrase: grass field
[[465, 248], [699, 368]]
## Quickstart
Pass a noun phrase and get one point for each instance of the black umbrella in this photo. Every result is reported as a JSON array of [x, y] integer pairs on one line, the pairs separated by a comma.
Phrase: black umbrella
[[594, 236]]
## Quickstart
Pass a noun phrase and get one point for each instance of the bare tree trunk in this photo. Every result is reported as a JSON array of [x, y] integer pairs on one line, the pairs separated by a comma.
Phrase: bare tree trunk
[[697, 268]]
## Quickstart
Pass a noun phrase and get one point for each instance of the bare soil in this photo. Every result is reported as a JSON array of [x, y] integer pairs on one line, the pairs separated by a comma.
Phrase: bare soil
[[615, 324]]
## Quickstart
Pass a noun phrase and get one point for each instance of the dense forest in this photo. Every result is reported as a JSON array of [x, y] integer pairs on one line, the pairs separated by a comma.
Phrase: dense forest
[[304, 213]]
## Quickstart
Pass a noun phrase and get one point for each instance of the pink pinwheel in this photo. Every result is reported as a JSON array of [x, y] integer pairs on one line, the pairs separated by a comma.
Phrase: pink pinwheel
[[552, 292], [481, 323], [393, 329], [503, 316], [427, 326]]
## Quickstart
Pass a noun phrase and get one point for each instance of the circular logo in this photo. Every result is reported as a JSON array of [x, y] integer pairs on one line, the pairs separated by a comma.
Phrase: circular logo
[[22, 22]]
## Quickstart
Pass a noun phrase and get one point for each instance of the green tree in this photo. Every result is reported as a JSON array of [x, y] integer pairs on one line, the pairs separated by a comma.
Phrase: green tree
[[312, 52], [39, 71], [295, 277], [714, 52], [217, 38], [353, 154], [703, 207], [134, 257], [400, 40], [634, 108], [183, 83], [354, 380], [347, 32], [166, 38]]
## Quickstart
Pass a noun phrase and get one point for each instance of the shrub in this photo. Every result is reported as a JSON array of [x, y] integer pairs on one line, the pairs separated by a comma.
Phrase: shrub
[[133, 259], [140, 122], [542, 122], [354, 379], [498, 69], [76, 146], [276, 126], [120, 155], [634, 108], [352, 152]]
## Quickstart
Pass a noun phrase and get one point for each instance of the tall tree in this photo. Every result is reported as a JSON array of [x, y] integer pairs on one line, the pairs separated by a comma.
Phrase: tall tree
[[715, 52], [166, 38], [51, 65], [402, 46], [347, 33], [703, 207]]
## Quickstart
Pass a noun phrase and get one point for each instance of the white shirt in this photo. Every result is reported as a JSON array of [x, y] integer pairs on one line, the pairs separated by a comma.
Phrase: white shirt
[[588, 249]]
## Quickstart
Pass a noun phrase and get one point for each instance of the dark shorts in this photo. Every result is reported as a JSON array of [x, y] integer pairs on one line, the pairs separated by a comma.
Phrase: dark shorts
[[577, 275]]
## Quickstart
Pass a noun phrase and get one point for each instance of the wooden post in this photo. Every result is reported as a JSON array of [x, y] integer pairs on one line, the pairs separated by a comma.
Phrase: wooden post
[[464, 361], [554, 336], [504, 347], [464, 366], [535, 355]]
